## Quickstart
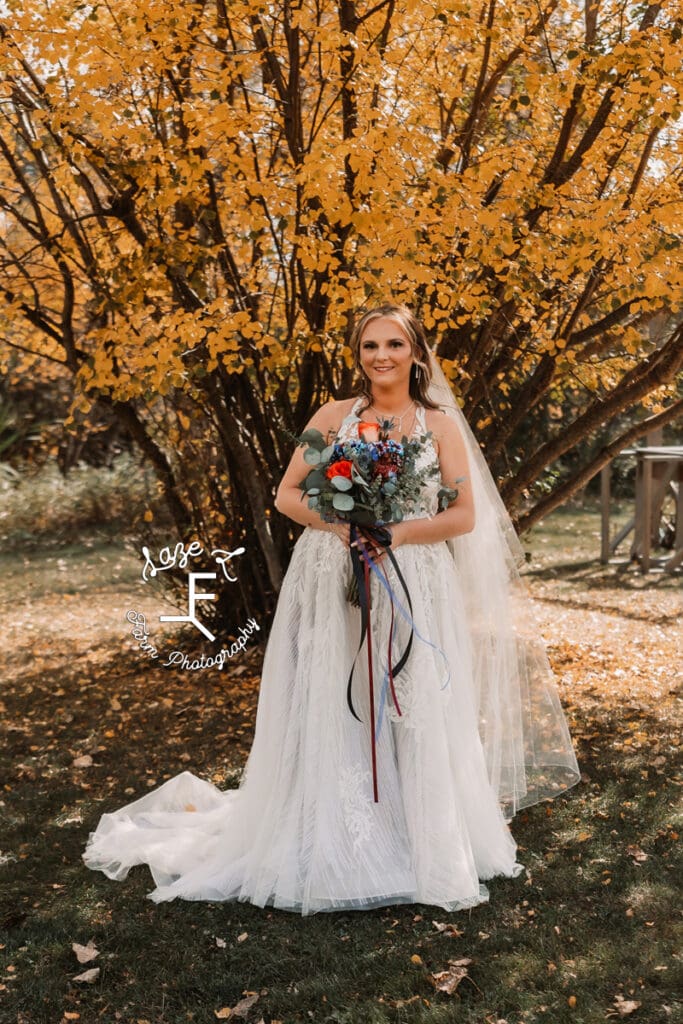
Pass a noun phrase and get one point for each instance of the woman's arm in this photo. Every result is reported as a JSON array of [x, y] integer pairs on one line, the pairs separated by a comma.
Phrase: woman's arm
[[459, 517], [290, 500]]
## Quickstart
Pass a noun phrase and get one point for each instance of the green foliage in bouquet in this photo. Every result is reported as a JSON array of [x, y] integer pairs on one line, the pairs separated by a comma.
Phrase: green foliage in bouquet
[[369, 483]]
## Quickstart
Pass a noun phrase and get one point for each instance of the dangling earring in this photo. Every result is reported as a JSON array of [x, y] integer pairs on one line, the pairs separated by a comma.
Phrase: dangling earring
[[418, 373]]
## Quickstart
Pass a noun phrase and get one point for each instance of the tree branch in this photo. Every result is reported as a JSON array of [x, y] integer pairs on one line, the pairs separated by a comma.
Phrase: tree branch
[[568, 488], [652, 373]]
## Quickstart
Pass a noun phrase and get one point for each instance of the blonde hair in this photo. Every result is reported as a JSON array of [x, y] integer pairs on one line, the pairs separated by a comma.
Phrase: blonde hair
[[418, 341]]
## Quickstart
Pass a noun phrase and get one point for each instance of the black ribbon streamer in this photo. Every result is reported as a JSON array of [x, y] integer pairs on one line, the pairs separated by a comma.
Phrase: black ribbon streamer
[[379, 535]]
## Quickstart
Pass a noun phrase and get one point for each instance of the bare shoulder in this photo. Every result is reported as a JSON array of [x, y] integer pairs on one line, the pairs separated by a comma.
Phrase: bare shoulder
[[330, 416], [344, 406], [443, 428]]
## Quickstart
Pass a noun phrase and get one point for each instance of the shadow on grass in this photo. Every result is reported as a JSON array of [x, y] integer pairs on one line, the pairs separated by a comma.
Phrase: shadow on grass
[[594, 573]]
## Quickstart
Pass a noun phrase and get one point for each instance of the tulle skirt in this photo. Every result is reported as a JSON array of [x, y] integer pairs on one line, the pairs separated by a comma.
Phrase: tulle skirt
[[303, 831]]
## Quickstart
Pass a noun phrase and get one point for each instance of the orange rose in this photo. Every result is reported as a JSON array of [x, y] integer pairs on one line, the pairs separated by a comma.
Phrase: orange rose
[[368, 431], [341, 468]]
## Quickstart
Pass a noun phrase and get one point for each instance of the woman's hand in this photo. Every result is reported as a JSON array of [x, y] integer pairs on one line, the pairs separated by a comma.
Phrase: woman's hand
[[374, 551], [399, 533], [343, 531], [398, 537]]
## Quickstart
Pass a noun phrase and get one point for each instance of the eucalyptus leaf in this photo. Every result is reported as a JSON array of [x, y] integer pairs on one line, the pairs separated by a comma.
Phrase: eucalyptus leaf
[[314, 438], [343, 502], [342, 483], [316, 478], [311, 456], [358, 479]]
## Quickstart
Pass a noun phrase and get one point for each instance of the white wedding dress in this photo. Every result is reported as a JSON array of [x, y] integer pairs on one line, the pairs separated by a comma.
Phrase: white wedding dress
[[303, 831]]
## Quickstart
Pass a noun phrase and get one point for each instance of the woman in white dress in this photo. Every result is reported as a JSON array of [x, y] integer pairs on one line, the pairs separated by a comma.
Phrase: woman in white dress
[[324, 818]]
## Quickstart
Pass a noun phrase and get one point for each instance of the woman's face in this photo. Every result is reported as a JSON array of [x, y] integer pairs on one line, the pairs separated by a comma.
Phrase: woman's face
[[385, 353]]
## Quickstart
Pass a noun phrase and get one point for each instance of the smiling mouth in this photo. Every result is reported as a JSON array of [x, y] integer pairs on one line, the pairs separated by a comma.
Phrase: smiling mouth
[[383, 369]]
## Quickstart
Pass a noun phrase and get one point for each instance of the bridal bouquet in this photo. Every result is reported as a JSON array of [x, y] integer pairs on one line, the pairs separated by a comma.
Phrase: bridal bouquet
[[368, 482]]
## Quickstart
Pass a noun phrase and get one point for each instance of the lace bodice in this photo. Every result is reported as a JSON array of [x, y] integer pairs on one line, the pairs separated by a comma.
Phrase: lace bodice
[[348, 430]]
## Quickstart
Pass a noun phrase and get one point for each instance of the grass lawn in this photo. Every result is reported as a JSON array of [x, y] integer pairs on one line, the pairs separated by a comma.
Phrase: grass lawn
[[590, 933]]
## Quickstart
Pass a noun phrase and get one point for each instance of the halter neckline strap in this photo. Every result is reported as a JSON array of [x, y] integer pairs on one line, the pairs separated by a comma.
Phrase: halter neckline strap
[[388, 416], [419, 421]]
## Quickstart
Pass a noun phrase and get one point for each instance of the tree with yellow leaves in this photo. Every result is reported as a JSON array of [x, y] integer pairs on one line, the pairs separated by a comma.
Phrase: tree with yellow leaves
[[195, 198]]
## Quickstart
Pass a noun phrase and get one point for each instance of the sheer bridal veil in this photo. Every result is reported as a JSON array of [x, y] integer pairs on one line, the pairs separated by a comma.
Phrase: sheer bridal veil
[[528, 748]]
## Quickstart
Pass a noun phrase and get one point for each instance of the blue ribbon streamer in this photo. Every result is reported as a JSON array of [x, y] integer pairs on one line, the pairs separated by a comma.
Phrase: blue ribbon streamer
[[408, 617]]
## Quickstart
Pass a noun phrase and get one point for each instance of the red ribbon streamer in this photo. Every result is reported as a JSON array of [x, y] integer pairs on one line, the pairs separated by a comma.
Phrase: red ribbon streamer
[[366, 573]]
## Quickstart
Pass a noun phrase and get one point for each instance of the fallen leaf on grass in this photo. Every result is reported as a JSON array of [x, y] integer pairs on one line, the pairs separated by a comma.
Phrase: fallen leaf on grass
[[84, 954], [623, 1007], [450, 929], [447, 981], [396, 1004], [638, 855], [88, 976], [82, 762], [242, 936], [221, 943], [240, 1010]]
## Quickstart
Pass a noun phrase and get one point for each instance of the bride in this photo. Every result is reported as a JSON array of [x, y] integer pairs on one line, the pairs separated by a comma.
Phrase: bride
[[407, 800]]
